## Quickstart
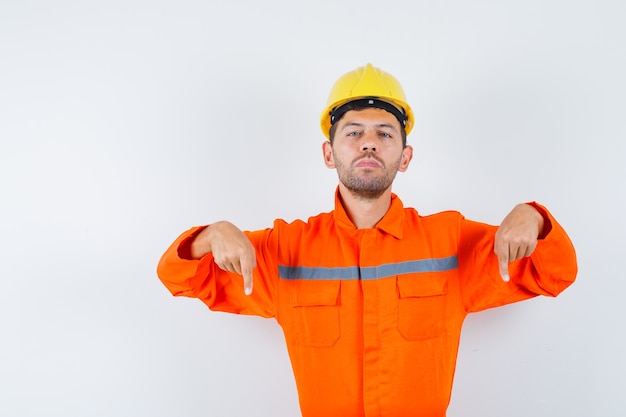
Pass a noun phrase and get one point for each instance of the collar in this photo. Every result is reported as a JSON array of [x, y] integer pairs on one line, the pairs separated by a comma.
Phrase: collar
[[391, 222]]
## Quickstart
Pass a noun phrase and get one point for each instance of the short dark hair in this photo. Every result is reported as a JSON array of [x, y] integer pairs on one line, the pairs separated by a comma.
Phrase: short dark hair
[[356, 107]]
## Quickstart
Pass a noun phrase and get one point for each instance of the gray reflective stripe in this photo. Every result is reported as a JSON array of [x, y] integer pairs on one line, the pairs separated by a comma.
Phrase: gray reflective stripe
[[317, 273], [369, 272]]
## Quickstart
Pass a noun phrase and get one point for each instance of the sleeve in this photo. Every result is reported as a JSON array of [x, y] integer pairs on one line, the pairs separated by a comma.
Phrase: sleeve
[[218, 289], [550, 269]]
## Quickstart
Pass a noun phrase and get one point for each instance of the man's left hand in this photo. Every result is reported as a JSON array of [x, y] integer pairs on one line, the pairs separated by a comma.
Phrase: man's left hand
[[517, 236]]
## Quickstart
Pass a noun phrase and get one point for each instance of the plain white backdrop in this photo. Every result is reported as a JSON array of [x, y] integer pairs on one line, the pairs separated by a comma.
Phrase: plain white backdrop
[[123, 123]]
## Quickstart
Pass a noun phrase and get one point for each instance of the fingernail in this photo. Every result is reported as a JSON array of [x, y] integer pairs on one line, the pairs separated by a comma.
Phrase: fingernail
[[247, 290], [506, 278]]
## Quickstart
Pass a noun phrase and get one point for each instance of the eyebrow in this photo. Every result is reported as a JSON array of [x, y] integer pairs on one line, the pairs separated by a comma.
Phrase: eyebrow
[[379, 125]]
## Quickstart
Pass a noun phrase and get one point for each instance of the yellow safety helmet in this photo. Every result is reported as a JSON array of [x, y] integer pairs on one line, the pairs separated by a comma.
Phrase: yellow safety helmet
[[371, 87]]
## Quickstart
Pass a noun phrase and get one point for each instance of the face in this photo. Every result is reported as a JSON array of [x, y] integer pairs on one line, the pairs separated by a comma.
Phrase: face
[[367, 152]]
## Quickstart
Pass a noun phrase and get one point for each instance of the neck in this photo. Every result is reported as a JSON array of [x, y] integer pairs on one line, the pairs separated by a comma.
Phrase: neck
[[365, 212]]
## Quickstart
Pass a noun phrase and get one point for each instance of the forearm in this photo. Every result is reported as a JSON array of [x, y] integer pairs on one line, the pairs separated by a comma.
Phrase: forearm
[[203, 278], [549, 270]]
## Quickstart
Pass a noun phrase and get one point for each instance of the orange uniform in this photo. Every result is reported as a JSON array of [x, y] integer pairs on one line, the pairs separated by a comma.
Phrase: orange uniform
[[372, 317]]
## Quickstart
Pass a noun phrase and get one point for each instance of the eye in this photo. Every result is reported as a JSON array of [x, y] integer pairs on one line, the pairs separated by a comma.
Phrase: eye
[[353, 133], [384, 135]]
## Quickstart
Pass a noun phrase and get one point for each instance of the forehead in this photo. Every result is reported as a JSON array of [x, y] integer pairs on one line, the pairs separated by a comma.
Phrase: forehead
[[369, 116]]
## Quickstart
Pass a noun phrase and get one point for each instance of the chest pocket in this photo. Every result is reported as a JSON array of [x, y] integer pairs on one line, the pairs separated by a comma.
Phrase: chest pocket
[[422, 305], [315, 312]]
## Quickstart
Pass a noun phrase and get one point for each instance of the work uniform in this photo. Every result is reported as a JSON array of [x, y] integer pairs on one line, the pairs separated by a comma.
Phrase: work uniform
[[372, 317]]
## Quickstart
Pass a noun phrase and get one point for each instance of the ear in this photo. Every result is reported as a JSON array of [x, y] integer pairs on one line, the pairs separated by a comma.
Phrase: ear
[[407, 155], [327, 150]]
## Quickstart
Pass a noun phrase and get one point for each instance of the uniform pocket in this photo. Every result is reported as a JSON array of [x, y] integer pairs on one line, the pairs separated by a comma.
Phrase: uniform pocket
[[421, 305], [315, 308]]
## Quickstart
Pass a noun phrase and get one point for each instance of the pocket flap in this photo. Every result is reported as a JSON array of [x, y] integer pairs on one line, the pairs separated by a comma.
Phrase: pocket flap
[[314, 293], [422, 284]]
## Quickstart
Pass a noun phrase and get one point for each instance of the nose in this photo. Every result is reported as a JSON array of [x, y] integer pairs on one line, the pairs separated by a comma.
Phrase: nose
[[368, 142]]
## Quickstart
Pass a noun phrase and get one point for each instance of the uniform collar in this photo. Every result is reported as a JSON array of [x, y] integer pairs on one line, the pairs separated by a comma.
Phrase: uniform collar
[[391, 222]]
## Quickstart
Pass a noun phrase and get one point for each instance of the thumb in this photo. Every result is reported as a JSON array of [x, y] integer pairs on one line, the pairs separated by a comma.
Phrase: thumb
[[503, 263]]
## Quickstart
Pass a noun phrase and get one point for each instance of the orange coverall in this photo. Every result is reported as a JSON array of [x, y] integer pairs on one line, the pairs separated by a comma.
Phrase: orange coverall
[[372, 317]]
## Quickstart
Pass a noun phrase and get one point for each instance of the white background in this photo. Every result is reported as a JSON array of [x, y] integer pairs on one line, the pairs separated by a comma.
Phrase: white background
[[123, 123]]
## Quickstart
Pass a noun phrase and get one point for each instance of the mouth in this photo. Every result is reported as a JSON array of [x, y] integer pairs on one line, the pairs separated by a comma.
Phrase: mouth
[[368, 163]]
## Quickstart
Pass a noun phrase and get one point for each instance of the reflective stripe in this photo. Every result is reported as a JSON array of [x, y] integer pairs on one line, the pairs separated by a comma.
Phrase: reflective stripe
[[368, 272]]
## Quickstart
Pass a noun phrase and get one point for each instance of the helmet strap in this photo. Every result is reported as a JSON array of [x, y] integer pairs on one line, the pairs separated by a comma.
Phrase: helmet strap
[[337, 113]]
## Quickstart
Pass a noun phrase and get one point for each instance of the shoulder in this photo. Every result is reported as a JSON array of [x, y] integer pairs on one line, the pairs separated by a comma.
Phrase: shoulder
[[313, 222], [446, 216]]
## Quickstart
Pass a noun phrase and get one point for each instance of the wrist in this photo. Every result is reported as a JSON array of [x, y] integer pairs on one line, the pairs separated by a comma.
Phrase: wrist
[[544, 223], [199, 244]]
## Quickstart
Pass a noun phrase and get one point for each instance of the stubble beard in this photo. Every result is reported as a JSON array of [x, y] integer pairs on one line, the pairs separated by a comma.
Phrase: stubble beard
[[366, 186]]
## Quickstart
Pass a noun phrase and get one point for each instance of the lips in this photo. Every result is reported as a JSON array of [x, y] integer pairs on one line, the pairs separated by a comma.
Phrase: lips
[[368, 163]]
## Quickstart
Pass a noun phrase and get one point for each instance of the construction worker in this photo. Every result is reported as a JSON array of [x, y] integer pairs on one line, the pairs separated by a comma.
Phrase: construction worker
[[371, 296]]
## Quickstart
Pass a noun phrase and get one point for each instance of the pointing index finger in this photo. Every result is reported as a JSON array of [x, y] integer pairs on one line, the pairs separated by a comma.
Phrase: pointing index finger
[[247, 266], [503, 262], [247, 283]]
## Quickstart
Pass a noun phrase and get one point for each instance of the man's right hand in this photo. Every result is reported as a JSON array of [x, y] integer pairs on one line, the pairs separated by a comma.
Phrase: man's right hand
[[231, 249]]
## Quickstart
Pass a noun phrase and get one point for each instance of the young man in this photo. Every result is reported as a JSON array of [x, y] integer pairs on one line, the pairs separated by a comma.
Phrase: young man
[[371, 296]]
